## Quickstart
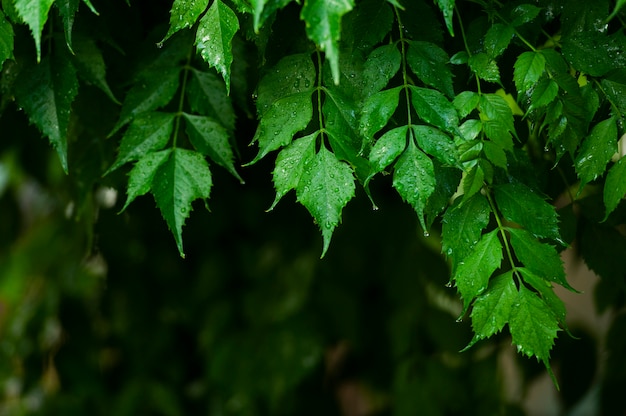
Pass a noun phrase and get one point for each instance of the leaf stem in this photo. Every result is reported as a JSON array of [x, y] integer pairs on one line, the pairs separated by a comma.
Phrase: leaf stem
[[320, 114], [181, 99], [502, 230], [405, 81], [467, 48]]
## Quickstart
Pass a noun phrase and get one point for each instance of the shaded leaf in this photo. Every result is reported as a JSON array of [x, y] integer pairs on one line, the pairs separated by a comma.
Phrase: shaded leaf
[[67, 10], [90, 65], [484, 67], [497, 39], [381, 65], [447, 8], [430, 63], [184, 14], [497, 119], [524, 13], [547, 294], [207, 96], [596, 151], [473, 181], [543, 94], [263, 9], [6, 39], [615, 186]]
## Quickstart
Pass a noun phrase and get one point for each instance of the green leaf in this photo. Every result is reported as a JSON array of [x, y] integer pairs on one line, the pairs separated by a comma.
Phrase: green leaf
[[377, 110], [614, 186], [67, 10], [473, 181], [184, 14], [466, 102], [437, 144], [524, 13], [325, 187], [433, 107], [497, 39], [533, 326], [387, 148], [207, 96], [618, 6], [180, 180], [547, 294], [528, 68], [381, 65], [6, 39], [462, 227], [263, 9], [497, 119], [90, 65], [540, 258], [520, 204], [367, 35], [35, 14], [492, 309], [616, 91], [543, 94], [430, 63], [46, 92], [596, 151], [473, 272], [141, 175], [147, 133], [214, 38], [414, 178], [154, 89], [323, 26], [284, 118], [595, 53], [290, 164], [495, 153], [484, 67], [447, 8], [211, 139]]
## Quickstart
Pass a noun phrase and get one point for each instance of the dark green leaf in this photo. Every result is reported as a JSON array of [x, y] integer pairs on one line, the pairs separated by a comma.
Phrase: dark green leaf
[[595, 53], [6, 39], [497, 39], [184, 14], [437, 144], [484, 67], [596, 151], [263, 9], [528, 68], [495, 153], [325, 187], [615, 186], [381, 65], [141, 175], [524, 13], [377, 110], [447, 8], [35, 14], [207, 96], [214, 38], [67, 10], [430, 63], [387, 148], [433, 107], [617, 92], [180, 180], [543, 94], [367, 35], [90, 65], [473, 272]]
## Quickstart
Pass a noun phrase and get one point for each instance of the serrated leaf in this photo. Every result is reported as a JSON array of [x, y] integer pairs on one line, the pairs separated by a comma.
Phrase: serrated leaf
[[147, 133], [437, 144], [430, 63], [594, 52], [263, 9], [377, 110], [596, 151], [207, 96], [520, 204], [90, 65], [470, 130], [325, 187], [533, 326], [433, 107], [6, 39], [387, 148], [35, 14], [214, 38], [497, 39], [497, 119], [381, 65], [46, 92], [547, 294], [524, 13], [473, 181], [462, 227], [473, 272], [617, 92], [284, 118], [211, 139], [543, 94], [614, 186], [466, 102], [540, 258], [184, 14], [67, 10], [492, 309], [141, 175], [180, 180], [528, 68], [447, 8], [495, 154], [290, 164], [484, 67], [414, 178], [153, 89], [323, 26], [367, 35]]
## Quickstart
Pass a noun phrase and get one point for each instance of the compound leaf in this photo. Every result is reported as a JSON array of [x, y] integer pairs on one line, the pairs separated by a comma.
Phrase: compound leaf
[[184, 14], [387, 148], [433, 107], [596, 151], [528, 68], [207, 96], [430, 63], [437, 144]]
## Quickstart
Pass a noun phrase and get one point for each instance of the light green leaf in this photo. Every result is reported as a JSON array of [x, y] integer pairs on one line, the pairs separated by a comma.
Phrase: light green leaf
[[414, 178], [466, 102], [437, 144], [533, 326], [377, 110], [547, 294], [528, 68], [615, 186], [492, 309], [447, 8], [325, 187], [470, 130], [141, 175], [473, 181], [290, 164], [430, 63], [473, 272], [323, 26], [433, 107], [154, 89], [540, 258], [497, 119], [148, 132], [387, 148], [90, 65], [46, 91], [495, 154], [497, 39], [596, 151], [207, 96], [211, 139], [520, 204], [35, 14], [6, 39], [184, 14], [263, 9], [484, 67], [462, 227], [543, 94], [180, 180], [214, 38], [284, 118]]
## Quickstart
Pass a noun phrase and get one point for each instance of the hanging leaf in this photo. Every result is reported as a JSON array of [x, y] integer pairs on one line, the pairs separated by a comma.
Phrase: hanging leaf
[[466, 102], [497, 39], [214, 38], [263, 9], [6, 39], [484, 67], [387, 149], [614, 186], [141, 175], [35, 14], [433, 107], [67, 10], [447, 8], [207, 96], [430, 63], [325, 187], [596, 151], [377, 110], [547, 294], [473, 181], [381, 65], [528, 68], [524, 13], [437, 144], [497, 119], [184, 14], [90, 65], [543, 94]]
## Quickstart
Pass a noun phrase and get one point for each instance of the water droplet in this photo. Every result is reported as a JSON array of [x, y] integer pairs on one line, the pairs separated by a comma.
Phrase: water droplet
[[183, 210], [459, 320], [159, 45], [426, 234]]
